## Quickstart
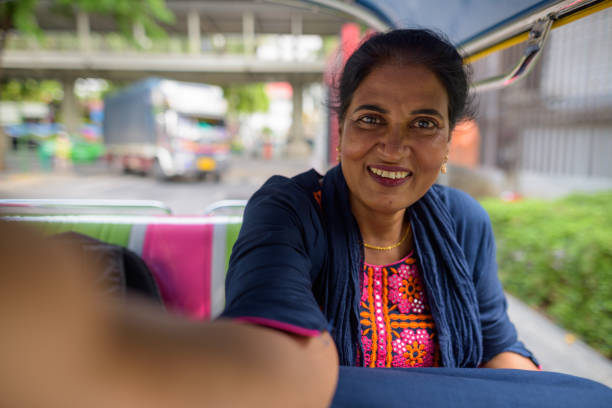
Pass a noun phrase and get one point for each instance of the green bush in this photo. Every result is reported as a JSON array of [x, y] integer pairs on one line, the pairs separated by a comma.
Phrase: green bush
[[557, 257]]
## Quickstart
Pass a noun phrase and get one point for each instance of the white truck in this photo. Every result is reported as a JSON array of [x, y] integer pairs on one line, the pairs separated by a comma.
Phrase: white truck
[[167, 128]]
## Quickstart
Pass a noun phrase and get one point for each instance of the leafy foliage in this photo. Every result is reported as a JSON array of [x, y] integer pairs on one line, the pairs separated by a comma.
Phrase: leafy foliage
[[248, 98], [47, 90], [19, 14], [148, 13], [557, 256]]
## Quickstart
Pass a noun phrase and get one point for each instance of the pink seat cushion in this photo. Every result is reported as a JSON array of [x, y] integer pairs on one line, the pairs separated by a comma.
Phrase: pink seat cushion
[[179, 257]]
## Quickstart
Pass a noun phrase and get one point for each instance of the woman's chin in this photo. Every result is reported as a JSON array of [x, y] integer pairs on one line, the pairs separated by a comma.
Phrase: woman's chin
[[387, 208]]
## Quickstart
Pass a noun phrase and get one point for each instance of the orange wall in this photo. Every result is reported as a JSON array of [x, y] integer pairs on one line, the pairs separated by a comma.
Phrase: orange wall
[[465, 144]]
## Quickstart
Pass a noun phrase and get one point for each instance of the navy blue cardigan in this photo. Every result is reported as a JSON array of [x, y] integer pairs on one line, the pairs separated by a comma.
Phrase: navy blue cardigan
[[275, 266], [275, 278]]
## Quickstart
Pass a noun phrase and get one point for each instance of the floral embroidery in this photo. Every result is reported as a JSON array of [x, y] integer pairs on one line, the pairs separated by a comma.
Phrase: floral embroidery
[[414, 353], [406, 290], [396, 323], [411, 289]]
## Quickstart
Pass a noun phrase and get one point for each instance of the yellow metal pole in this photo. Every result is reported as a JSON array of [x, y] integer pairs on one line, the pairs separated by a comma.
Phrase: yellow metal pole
[[519, 38]]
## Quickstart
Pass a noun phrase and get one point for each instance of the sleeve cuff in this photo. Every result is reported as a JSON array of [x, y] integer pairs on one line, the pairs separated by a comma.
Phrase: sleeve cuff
[[278, 325]]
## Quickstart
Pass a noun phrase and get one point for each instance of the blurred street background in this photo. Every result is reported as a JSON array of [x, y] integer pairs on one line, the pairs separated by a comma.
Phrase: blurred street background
[[193, 102]]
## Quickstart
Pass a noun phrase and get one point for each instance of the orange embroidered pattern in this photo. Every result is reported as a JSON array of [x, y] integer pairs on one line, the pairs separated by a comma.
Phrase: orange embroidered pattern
[[317, 196], [397, 328]]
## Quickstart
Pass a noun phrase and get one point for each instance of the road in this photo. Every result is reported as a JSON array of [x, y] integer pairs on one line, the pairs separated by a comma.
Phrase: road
[[96, 181], [557, 349]]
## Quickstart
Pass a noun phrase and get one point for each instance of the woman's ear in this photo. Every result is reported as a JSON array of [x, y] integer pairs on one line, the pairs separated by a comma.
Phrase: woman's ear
[[338, 150]]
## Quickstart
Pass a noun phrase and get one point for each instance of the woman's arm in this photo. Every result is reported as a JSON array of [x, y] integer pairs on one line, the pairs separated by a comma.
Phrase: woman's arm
[[172, 362], [501, 348], [62, 346], [508, 359]]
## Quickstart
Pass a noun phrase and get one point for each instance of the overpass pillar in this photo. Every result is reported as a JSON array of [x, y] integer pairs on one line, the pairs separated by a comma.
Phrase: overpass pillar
[[83, 31], [4, 143], [69, 108], [297, 146], [193, 28], [296, 32], [248, 32]]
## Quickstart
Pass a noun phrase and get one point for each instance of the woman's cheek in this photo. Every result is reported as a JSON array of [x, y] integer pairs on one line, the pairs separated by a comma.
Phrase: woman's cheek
[[354, 146], [439, 147]]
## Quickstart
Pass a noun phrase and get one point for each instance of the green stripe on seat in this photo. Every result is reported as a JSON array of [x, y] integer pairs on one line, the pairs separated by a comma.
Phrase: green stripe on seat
[[118, 234], [232, 236]]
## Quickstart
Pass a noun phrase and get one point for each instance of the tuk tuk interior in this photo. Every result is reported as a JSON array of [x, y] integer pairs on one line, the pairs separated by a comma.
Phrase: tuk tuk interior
[[191, 276]]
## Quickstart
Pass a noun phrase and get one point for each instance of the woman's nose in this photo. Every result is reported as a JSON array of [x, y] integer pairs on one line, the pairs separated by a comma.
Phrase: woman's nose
[[394, 143]]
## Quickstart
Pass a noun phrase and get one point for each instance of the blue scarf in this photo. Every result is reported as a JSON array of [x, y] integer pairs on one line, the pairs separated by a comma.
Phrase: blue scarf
[[450, 290]]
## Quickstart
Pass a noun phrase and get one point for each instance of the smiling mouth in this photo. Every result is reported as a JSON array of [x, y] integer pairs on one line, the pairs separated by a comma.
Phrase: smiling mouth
[[390, 175]]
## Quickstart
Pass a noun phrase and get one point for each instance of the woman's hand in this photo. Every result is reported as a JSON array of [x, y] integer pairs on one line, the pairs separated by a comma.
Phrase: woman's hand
[[64, 346], [53, 326]]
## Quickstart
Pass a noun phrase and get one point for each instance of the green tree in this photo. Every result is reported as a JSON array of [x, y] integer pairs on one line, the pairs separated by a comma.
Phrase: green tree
[[19, 14], [245, 99], [148, 13], [46, 90]]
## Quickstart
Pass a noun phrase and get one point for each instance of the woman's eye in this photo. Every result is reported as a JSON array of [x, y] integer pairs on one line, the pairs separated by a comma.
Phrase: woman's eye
[[370, 120], [425, 124]]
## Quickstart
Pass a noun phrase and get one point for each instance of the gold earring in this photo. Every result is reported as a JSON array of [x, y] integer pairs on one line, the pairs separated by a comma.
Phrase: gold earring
[[443, 168], [338, 155]]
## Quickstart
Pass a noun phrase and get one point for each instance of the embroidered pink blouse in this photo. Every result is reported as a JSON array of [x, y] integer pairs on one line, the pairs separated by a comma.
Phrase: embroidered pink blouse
[[397, 328]]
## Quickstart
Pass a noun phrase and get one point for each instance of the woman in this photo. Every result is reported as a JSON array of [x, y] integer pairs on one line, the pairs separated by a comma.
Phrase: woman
[[402, 270]]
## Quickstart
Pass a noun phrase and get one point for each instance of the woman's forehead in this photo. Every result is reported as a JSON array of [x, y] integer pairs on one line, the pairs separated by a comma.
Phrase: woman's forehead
[[391, 84]]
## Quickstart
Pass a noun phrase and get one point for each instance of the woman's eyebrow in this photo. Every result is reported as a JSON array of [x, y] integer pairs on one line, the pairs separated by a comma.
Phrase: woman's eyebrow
[[427, 112], [375, 108]]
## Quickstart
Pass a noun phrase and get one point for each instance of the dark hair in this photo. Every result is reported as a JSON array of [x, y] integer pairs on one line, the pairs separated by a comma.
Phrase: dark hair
[[409, 46]]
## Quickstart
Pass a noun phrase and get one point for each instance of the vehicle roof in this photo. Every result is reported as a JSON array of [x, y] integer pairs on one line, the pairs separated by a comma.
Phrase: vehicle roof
[[460, 20], [477, 27]]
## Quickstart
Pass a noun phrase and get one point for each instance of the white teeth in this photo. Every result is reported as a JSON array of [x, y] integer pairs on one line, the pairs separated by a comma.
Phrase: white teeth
[[389, 174]]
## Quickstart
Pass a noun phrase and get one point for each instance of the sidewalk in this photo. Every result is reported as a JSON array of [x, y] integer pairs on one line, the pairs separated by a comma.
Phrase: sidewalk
[[548, 342]]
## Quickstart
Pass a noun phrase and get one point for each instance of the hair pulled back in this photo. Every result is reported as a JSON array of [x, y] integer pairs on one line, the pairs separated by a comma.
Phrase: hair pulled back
[[409, 46]]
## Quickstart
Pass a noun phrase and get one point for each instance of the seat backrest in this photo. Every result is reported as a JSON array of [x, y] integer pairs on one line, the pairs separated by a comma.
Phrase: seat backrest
[[188, 255]]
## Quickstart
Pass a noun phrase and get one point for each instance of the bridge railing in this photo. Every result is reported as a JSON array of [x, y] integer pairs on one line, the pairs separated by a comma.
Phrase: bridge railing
[[267, 46]]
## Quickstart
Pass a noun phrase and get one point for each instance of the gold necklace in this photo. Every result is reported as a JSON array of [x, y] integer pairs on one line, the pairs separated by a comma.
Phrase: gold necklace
[[390, 247]]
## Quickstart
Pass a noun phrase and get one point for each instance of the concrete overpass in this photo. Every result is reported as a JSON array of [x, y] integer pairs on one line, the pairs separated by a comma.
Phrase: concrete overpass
[[198, 29], [217, 69]]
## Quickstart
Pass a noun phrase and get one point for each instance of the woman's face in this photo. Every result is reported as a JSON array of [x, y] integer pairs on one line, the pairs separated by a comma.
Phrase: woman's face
[[394, 137]]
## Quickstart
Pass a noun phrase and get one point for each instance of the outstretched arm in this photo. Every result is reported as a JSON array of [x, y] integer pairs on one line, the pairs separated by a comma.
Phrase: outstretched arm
[[62, 346]]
